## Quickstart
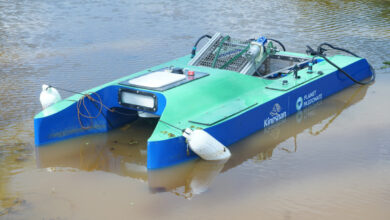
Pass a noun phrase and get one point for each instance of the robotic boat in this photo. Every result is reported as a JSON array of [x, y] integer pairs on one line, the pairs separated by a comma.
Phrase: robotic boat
[[226, 91]]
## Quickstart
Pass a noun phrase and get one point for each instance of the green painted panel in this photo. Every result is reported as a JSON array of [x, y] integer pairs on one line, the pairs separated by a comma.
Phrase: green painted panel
[[221, 112]]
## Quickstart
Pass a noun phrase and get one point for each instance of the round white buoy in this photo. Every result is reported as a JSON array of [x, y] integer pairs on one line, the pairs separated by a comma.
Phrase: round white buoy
[[49, 96], [205, 145]]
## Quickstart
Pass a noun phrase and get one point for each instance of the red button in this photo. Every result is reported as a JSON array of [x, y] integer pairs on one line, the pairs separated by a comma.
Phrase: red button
[[191, 72]]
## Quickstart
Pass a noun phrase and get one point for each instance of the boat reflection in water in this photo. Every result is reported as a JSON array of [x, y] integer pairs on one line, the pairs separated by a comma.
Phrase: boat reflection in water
[[123, 151]]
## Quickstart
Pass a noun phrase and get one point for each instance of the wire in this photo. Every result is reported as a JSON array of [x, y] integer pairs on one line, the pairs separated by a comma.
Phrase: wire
[[99, 106], [97, 102], [280, 43], [66, 90], [349, 76], [320, 53], [335, 48], [196, 44]]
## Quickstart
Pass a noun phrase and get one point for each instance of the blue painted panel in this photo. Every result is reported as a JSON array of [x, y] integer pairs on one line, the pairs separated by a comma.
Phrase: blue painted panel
[[47, 129]]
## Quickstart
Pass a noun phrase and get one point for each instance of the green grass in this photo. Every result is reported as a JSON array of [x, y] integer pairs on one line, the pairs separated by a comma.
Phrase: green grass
[[386, 65]]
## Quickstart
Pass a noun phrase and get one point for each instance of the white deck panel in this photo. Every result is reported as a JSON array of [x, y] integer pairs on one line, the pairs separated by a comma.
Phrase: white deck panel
[[157, 79]]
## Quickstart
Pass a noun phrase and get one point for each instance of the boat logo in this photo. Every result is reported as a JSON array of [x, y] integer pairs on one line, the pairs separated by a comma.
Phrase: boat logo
[[299, 103], [276, 115], [275, 110]]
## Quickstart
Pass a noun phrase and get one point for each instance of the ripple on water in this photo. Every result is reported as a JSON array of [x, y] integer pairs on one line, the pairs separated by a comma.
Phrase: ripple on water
[[284, 172]]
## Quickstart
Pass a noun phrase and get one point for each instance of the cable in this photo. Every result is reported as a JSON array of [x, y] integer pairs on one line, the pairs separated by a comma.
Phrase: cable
[[349, 76], [66, 90], [98, 103], [335, 48], [280, 43], [196, 44], [320, 53]]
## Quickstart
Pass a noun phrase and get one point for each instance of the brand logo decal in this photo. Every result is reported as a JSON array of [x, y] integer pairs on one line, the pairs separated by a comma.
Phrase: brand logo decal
[[308, 99], [275, 115], [299, 103]]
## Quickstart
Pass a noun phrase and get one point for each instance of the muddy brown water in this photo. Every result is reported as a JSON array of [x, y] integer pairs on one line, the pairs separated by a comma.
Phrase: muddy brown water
[[330, 161]]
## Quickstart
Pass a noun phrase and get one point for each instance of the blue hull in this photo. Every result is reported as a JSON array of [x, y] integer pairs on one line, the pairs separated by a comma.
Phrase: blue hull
[[65, 124]]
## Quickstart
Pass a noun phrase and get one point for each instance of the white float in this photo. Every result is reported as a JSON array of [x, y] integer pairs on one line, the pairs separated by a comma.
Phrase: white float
[[49, 96], [205, 145]]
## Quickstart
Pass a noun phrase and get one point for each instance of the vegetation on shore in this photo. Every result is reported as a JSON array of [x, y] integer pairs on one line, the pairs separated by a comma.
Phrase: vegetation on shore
[[386, 64]]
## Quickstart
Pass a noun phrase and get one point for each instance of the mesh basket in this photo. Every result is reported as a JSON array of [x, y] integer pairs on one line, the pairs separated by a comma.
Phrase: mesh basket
[[225, 53]]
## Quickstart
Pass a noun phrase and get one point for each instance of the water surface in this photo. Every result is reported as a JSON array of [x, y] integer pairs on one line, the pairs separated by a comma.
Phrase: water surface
[[330, 161]]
